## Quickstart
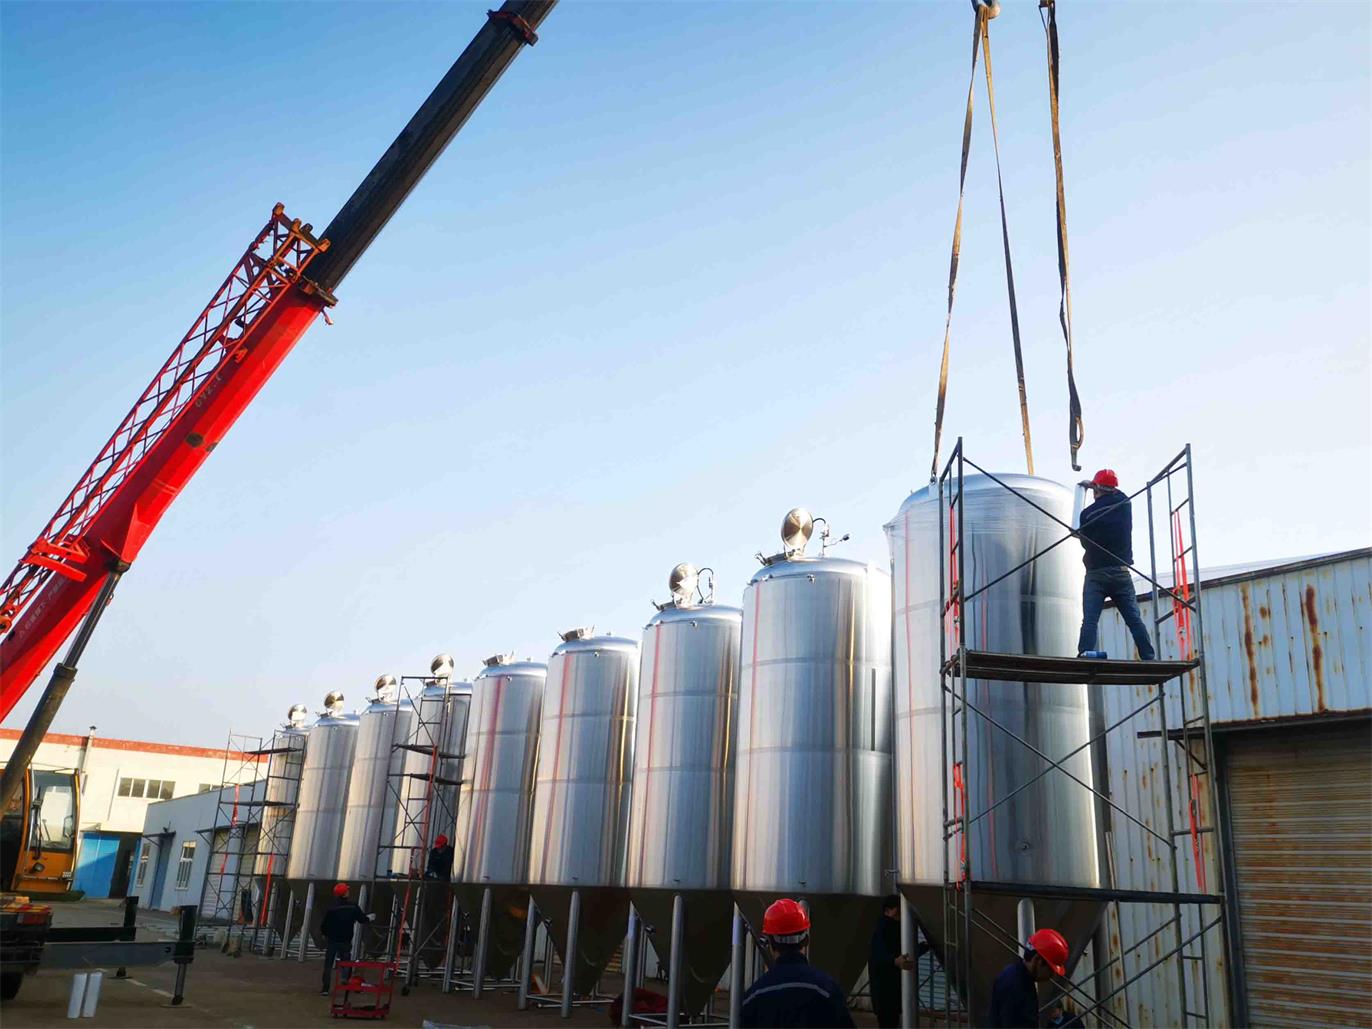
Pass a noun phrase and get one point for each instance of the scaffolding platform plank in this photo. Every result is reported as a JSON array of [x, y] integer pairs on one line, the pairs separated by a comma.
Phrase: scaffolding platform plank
[[1096, 893], [982, 664]]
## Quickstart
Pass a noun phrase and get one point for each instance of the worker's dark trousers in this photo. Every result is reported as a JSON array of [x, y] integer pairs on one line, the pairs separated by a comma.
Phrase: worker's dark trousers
[[334, 952], [1118, 585]]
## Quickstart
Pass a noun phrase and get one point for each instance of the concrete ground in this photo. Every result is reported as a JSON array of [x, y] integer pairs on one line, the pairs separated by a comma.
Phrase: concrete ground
[[249, 991], [252, 991]]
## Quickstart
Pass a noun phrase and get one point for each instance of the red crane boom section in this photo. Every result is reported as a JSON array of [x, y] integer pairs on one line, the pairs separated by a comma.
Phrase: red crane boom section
[[259, 312]]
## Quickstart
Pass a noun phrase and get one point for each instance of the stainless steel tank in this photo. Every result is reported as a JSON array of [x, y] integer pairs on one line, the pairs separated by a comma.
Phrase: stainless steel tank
[[1045, 836], [681, 815], [285, 762], [324, 779], [582, 787], [444, 707], [495, 807], [813, 797], [375, 816]]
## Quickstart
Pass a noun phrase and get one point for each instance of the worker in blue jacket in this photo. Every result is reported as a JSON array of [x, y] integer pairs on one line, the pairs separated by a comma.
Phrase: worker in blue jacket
[[1107, 534], [793, 992], [1015, 993]]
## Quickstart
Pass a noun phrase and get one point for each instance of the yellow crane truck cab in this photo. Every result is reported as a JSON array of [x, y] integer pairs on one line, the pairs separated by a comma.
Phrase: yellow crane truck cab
[[38, 834]]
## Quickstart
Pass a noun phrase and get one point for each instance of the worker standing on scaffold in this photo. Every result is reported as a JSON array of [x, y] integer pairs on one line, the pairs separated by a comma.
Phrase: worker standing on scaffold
[[1107, 534], [1015, 993], [793, 993]]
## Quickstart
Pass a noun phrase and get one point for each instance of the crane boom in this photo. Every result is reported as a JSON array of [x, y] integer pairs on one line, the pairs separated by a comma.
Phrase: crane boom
[[284, 279]]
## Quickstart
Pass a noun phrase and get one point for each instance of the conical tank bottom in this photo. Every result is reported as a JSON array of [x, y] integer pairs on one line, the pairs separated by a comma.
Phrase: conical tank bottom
[[509, 912], [709, 917], [841, 927], [600, 928], [389, 901], [995, 925]]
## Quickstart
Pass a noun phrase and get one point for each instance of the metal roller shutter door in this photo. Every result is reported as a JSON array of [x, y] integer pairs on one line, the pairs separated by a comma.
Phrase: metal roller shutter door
[[1300, 808]]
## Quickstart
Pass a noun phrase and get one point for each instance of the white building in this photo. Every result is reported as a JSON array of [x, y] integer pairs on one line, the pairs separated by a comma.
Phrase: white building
[[119, 780], [178, 836]]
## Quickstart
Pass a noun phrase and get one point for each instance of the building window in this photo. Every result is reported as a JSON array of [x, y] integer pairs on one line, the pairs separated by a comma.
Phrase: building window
[[205, 787], [183, 867], [149, 789], [142, 863]]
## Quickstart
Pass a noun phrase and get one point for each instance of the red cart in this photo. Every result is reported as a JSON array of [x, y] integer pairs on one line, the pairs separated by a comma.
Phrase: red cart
[[362, 989]]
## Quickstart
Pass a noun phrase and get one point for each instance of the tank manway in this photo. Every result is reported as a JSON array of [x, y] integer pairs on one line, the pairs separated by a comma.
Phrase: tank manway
[[1045, 835], [681, 817], [813, 780]]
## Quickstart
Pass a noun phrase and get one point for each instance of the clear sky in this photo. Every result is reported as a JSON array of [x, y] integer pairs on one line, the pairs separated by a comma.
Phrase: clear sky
[[684, 269]]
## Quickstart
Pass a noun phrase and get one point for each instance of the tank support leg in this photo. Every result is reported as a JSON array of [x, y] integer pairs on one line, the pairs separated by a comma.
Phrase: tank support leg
[[450, 950], [675, 962], [626, 1016], [483, 933], [909, 979], [363, 895], [305, 923], [526, 970], [286, 926], [569, 957], [736, 960], [1024, 915]]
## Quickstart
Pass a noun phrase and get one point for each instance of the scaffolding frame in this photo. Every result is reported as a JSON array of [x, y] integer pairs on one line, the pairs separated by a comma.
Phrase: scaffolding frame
[[251, 830], [1192, 790], [426, 802]]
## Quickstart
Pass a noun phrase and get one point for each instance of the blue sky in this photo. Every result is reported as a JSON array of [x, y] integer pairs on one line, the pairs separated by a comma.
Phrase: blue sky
[[683, 270]]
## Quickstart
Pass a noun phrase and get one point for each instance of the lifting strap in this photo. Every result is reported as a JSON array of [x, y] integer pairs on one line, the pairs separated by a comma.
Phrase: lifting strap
[[957, 246], [1009, 268], [981, 40], [1076, 430]]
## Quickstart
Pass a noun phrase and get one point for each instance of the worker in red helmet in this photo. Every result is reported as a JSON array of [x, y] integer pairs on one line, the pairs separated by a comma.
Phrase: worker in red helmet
[[1106, 532], [792, 992], [440, 864], [1015, 993], [337, 929]]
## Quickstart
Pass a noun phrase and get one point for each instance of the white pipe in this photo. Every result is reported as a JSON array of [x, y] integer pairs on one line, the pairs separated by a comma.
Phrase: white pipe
[[483, 934], [736, 973], [569, 953], [1024, 915], [78, 994], [909, 979], [626, 1016], [92, 997], [526, 970], [305, 923], [674, 962], [450, 951]]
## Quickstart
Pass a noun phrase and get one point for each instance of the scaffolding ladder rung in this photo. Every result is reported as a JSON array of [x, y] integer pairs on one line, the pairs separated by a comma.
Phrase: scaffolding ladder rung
[[1198, 830]]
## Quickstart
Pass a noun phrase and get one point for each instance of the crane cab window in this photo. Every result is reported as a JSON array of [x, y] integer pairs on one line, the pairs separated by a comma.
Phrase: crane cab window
[[55, 810]]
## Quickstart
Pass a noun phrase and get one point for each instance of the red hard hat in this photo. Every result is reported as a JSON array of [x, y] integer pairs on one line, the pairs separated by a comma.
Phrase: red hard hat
[[785, 921], [441, 841], [1049, 945], [340, 890], [1106, 477]]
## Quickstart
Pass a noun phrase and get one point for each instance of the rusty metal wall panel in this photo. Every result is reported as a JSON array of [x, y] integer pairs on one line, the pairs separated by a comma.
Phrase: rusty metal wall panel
[[1301, 817], [1283, 642]]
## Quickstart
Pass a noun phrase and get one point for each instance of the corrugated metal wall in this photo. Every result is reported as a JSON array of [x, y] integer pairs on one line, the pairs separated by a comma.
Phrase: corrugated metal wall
[[1282, 643]]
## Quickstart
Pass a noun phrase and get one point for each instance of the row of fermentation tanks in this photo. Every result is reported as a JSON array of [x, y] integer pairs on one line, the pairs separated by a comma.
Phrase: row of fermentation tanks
[[668, 788]]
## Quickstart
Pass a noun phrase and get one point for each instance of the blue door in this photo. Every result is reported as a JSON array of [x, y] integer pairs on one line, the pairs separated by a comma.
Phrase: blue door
[[162, 855], [95, 864]]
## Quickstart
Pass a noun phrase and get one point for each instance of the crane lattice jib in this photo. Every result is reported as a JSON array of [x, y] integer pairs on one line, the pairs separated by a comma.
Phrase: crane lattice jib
[[270, 267]]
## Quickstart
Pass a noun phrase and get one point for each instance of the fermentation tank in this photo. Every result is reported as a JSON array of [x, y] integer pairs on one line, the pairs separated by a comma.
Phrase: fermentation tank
[[374, 816], [323, 794], [285, 762], [1045, 835], [444, 706], [495, 808], [812, 801], [582, 787], [680, 820]]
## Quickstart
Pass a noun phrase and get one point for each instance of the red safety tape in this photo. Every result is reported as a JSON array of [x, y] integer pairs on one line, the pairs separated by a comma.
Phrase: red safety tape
[[1195, 831]]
